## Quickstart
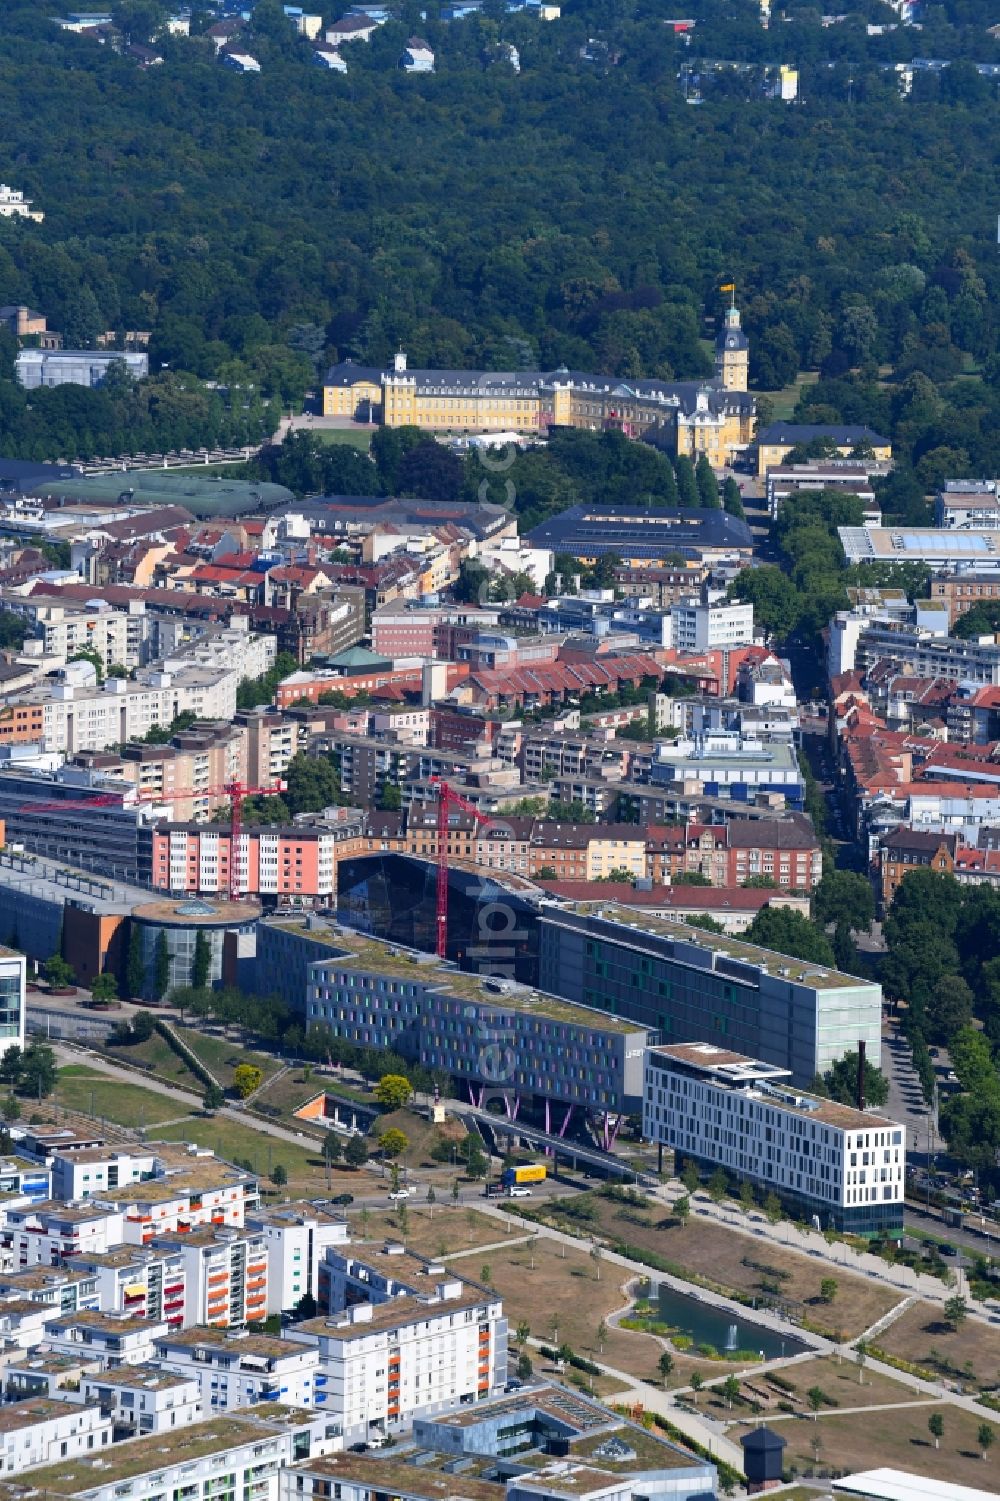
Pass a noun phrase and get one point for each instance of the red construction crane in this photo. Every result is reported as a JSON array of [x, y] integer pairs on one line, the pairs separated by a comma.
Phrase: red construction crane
[[234, 791], [448, 798]]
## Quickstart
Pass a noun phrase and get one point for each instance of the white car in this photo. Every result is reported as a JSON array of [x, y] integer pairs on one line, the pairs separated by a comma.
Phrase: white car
[[400, 1193], [518, 1193]]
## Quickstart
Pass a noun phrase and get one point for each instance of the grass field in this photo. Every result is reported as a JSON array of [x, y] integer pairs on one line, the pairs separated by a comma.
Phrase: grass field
[[218, 1053], [839, 1381], [563, 1300], [921, 1335], [286, 1094], [422, 1136], [222, 1054], [898, 1438], [162, 1060], [234, 1140], [358, 437], [94, 1094], [734, 1261], [441, 1229], [785, 400]]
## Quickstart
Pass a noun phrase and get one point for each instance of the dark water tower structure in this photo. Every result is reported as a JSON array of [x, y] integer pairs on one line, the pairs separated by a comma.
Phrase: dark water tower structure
[[762, 1459]]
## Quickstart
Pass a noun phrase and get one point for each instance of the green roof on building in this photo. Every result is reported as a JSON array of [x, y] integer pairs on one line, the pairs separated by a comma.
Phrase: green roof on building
[[358, 658]]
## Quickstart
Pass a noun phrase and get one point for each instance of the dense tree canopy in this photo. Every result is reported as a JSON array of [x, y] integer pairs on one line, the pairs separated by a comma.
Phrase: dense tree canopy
[[261, 226]]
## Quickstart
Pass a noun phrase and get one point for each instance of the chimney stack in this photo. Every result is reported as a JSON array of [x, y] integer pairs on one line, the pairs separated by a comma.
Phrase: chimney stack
[[861, 1074]]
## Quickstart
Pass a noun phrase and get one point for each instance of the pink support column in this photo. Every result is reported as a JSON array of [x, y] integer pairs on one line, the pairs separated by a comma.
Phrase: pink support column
[[548, 1116], [566, 1121]]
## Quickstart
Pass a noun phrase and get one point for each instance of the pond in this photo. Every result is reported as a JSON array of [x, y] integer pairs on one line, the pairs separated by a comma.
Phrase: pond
[[726, 1332]]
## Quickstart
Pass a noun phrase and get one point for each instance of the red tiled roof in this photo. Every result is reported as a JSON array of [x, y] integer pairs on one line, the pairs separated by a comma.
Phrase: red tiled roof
[[705, 898]]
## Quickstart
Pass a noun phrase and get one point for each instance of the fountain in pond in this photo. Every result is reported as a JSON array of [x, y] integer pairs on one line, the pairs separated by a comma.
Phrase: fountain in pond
[[732, 1337]]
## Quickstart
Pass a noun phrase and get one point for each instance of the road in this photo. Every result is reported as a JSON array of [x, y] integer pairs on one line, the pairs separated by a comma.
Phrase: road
[[906, 1102]]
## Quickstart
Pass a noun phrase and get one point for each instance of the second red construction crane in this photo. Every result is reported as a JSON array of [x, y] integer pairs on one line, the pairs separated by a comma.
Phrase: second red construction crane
[[448, 798], [236, 792]]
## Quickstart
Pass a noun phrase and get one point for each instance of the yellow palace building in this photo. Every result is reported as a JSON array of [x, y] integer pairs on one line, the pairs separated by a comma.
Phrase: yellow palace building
[[691, 417]]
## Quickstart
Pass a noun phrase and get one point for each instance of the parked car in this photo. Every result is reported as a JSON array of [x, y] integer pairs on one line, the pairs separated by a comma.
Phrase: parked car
[[518, 1193], [343, 1199]]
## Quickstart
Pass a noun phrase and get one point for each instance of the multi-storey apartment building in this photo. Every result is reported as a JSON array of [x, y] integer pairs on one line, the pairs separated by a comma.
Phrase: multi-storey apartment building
[[960, 591], [68, 1289], [704, 624], [293, 865], [144, 1282], [272, 739], [64, 629], [94, 1171], [961, 504], [234, 1458], [685, 984], [412, 1356], [144, 1399], [23, 1179], [47, 1233], [225, 1274], [192, 770], [116, 1339], [846, 1167], [12, 983], [587, 852], [41, 1432], [236, 1369], [184, 1198], [296, 1237]]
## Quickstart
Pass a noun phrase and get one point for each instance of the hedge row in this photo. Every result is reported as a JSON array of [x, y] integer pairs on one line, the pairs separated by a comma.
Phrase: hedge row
[[577, 1361]]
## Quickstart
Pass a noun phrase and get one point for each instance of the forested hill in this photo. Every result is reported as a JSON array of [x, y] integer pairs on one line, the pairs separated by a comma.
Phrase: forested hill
[[577, 212]]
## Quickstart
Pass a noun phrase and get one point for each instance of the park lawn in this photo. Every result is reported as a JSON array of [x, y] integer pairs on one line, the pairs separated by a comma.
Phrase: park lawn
[[221, 1055], [357, 437], [921, 1330], [838, 1381], [785, 401], [561, 1298], [233, 1140], [95, 1095], [441, 1229], [732, 1261], [161, 1059], [283, 1094], [422, 1135], [898, 1439]]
